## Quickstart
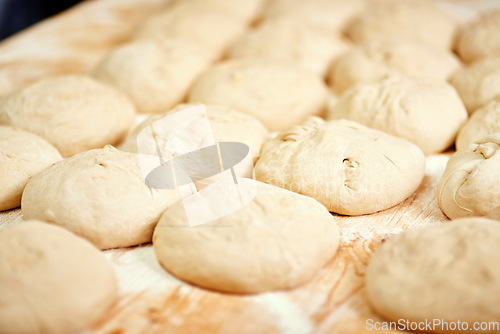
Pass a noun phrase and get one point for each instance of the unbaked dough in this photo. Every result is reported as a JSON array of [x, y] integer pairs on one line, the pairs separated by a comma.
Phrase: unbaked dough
[[22, 155], [279, 94], [277, 241], [155, 75], [426, 112], [100, 195], [376, 59], [247, 10], [448, 272], [470, 185], [478, 83], [349, 168], [74, 113], [289, 40], [51, 281], [484, 121]]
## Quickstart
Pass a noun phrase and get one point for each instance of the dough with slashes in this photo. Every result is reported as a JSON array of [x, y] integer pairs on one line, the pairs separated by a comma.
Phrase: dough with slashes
[[470, 185], [349, 168]]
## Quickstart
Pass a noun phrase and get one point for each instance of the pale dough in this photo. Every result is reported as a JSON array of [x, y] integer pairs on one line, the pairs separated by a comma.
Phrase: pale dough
[[100, 195], [484, 121], [375, 59], [74, 113], [51, 281], [247, 10], [349, 168], [470, 185], [478, 83], [22, 155], [277, 241], [289, 40], [155, 75], [426, 112], [448, 272], [279, 94]]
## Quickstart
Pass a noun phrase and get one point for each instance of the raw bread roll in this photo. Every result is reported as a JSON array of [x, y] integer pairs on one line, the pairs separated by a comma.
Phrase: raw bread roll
[[420, 20], [291, 41], [376, 59], [328, 15], [484, 121], [480, 38], [228, 125], [74, 113], [447, 272], [99, 195], [279, 94], [247, 10], [479, 83], [470, 185], [51, 281], [349, 168], [155, 75], [279, 240], [426, 112], [22, 155]]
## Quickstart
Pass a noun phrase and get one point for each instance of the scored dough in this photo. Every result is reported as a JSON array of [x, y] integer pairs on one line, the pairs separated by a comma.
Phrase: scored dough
[[74, 113], [279, 240], [349, 168], [155, 75], [448, 272], [99, 195], [470, 185], [22, 155], [279, 94], [426, 112], [51, 281]]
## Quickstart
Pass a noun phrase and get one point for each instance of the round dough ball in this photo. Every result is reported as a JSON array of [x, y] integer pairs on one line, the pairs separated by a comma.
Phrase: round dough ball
[[155, 75], [407, 19], [228, 125], [279, 94], [99, 195], [484, 121], [480, 38], [376, 59], [279, 240], [51, 281], [448, 272], [479, 83], [290, 41], [349, 168], [22, 155], [74, 113], [470, 185], [426, 112]]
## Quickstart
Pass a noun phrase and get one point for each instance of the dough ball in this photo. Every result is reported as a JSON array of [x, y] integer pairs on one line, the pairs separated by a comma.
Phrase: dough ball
[[484, 121], [228, 125], [246, 10], [74, 113], [407, 19], [99, 195], [290, 41], [426, 112], [349, 168], [155, 75], [448, 272], [327, 15], [376, 59], [22, 155], [279, 94], [470, 185], [51, 281], [480, 38], [479, 83], [278, 240]]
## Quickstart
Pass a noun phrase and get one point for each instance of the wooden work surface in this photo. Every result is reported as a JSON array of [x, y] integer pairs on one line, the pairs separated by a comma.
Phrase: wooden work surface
[[153, 301]]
